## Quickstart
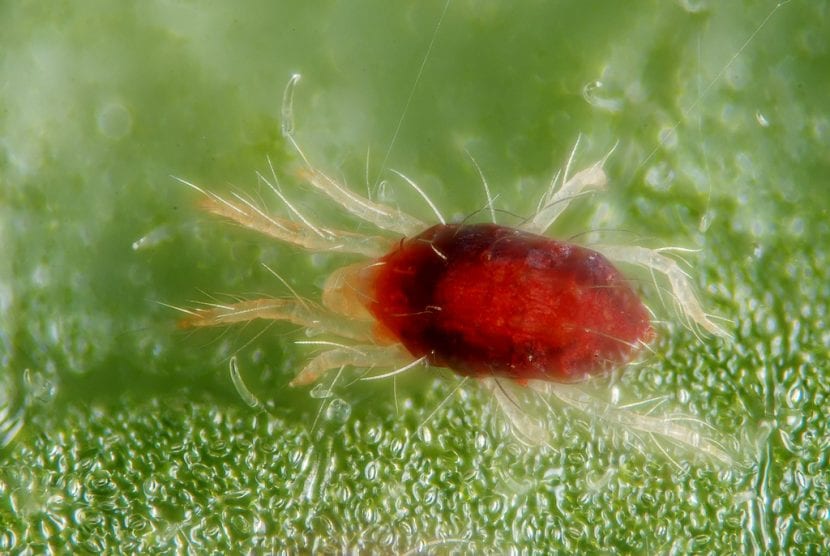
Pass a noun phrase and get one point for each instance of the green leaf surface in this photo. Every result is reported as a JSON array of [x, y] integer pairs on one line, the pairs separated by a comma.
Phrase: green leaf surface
[[121, 433]]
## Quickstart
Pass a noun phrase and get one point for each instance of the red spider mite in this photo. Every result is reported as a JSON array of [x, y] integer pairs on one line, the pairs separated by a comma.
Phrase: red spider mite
[[487, 301]]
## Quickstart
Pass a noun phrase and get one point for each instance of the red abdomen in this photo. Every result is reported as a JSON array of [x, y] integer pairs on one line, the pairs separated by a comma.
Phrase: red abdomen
[[487, 300]]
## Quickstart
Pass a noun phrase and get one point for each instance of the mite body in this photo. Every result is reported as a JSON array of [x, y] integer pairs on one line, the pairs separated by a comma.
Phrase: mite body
[[487, 301]]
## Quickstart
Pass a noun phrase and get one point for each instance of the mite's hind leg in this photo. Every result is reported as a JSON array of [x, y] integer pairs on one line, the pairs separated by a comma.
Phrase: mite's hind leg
[[671, 427], [382, 216], [365, 356], [555, 201], [681, 285], [295, 311]]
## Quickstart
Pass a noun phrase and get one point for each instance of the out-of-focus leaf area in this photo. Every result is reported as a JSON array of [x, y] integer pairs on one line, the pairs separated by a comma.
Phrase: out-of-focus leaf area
[[121, 432]]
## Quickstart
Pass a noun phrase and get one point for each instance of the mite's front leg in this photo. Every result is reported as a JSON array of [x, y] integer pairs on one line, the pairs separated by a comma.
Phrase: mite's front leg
[[296, 311], [365, 356]]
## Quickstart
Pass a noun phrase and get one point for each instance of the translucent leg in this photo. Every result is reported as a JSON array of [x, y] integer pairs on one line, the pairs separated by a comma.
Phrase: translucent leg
[[525, 428], [380, 215], [302, 234], [365, 356], [664, 426], [291, 310], [556, 202], [680, 284]]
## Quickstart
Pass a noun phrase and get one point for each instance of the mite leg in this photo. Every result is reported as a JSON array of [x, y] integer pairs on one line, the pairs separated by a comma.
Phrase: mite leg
[[556, 202], [670, 427], [680, 284], [303, 234], [526, 429], [380, 215], [295, 311], [366, 356], [348, 290]]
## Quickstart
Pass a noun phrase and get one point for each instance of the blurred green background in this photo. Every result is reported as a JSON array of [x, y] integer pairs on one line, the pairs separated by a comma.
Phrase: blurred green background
[[120, 433]]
